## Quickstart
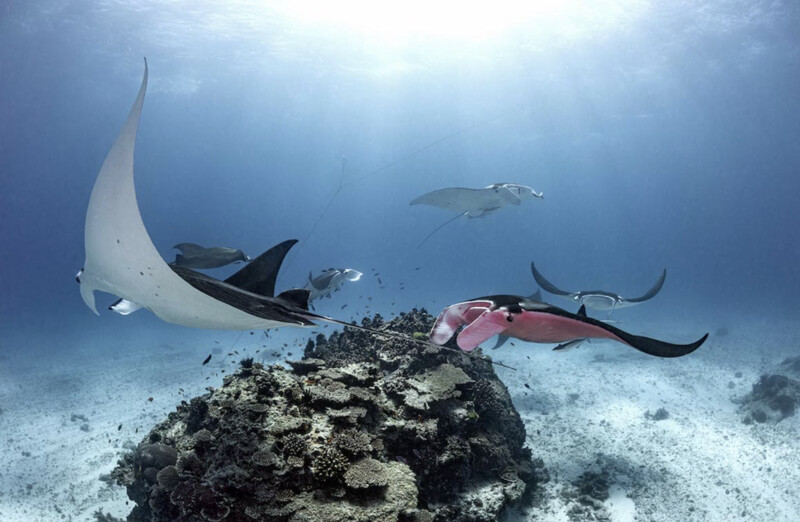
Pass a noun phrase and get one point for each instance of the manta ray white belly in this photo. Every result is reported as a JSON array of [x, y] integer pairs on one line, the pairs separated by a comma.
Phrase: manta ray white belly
[[122, 260]]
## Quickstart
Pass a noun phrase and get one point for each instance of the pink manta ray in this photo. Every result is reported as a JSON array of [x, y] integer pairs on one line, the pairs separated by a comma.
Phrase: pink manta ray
[[537, 322]]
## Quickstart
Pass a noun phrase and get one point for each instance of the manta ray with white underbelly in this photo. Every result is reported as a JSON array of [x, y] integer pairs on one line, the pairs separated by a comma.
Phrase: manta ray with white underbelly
[[475, 203], [122, 260]]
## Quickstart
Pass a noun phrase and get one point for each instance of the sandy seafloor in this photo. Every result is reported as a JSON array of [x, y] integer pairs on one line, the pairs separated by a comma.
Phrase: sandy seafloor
[[585, 410]]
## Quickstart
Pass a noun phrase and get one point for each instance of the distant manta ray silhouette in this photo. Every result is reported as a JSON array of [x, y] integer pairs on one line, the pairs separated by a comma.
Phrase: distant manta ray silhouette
[[599, 299], [474, 203]]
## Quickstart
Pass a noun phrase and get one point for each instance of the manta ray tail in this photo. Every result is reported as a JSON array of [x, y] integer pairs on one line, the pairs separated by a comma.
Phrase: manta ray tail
[[544, 283], [435, 230], [653, 291]]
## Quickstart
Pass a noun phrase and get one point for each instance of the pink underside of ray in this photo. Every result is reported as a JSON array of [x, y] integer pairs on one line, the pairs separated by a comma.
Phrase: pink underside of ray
[[535, 327], [485, 326], [454, 316], [540, 327]]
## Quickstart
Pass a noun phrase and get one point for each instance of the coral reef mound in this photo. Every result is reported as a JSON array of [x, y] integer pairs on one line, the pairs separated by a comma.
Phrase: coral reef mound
[[773, 398], [363, 428]]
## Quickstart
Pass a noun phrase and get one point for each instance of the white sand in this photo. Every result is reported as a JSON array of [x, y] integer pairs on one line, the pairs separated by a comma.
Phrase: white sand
[[700, 464]]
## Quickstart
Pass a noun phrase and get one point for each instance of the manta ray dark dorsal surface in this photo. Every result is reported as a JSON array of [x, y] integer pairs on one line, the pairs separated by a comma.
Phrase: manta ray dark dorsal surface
[[287, 307], [260, 274]]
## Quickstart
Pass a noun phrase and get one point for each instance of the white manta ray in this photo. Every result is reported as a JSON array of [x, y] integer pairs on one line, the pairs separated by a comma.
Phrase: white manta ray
[[122, 260], [478, 202], [474, 203]]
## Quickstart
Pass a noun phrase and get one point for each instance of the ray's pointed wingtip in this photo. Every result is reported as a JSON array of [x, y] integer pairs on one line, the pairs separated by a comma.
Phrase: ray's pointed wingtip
[[695, 345]]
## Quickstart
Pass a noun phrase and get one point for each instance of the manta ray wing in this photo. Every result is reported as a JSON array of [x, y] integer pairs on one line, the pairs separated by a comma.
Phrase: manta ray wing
[[260, 274], [454, 316], [456, 199], [505, 194], [486, 325], [547, 285], [122, 260], [503, 339], [652, 292]]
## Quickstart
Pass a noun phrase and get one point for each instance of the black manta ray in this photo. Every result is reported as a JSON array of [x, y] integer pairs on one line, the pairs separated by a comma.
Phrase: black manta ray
[[599, 299]]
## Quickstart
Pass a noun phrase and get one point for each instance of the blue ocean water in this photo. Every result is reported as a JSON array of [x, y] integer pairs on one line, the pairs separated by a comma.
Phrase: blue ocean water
[[663, 135], [664, 138]]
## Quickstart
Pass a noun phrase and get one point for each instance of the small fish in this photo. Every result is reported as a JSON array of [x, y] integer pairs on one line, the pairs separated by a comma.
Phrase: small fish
[[206, 360], [417, 268], [119, 427], [379, 281], [252, 333], [343, 307], [527, 385], [149, 399]]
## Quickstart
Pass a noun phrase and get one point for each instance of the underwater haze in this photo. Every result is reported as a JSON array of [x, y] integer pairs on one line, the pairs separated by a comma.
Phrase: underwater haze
[[663, 135]]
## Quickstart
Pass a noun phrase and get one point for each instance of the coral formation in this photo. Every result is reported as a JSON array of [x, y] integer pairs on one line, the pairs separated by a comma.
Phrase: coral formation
[[330, 465], [660, 414], [365, 427], [772, 399]]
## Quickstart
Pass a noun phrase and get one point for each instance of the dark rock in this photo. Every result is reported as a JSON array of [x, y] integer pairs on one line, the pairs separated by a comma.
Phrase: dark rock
[[660, 414], [156, 455], [365, 427], [198, 409], [772, 399], [791, 367]]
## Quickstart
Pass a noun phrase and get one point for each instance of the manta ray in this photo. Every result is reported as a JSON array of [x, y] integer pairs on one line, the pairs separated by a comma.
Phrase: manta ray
[[503, 339], [330, 281], [122, 260], [538, 322], [196, 256], [475, 203], [599, 299]]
